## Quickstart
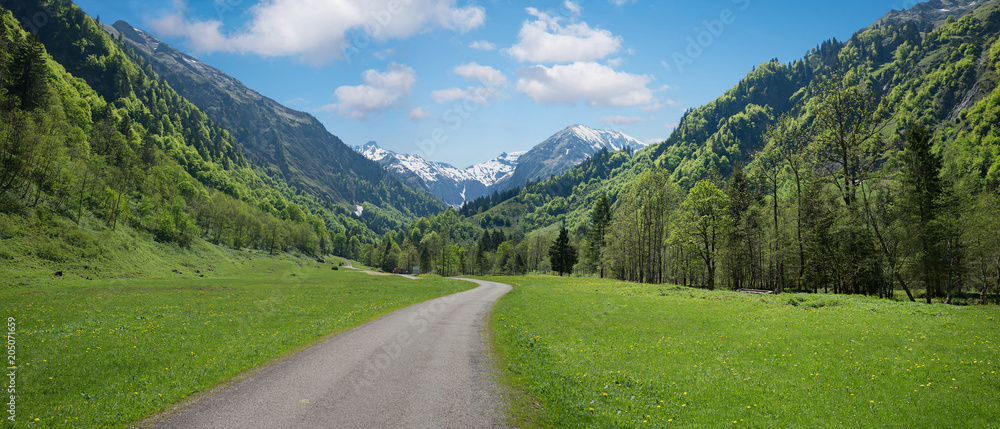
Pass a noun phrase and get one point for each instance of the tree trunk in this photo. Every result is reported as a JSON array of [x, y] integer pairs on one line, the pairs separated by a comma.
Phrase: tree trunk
[[86, 174], [998, 278], [905, 287], [798, 228]]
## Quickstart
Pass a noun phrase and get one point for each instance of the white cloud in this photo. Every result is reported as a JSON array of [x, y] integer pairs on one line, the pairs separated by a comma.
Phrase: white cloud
[[659, 104], [385, 54], [622, 120], [379, 92], [595, 84], [320, 31], [620, 2], [572, 7], [485, 75], [491, 83], [450, 94], [671, 125], [547, 40], [483, 45], [652, 141], [418, 114], [616, 62]]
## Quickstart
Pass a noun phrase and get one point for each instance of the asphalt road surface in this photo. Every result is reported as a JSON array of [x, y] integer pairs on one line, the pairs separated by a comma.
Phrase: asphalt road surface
[[424, 366]]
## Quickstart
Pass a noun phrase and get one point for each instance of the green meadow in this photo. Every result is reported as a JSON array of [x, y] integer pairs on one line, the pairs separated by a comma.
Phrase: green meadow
[[601, 353], [107, 353]]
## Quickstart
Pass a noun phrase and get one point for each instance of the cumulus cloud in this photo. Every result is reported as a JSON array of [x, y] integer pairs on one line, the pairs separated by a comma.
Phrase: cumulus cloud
[[546, 40], [450, 94], [379, 92], [490, 84], [622, 120], [594, 84], [320, 31], [483, 45], [485, 75], [418, 114]]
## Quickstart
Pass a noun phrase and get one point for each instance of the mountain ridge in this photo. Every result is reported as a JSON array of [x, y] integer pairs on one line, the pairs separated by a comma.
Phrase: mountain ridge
[[563, 151], [285, 141], [560, 152], [452, 185]]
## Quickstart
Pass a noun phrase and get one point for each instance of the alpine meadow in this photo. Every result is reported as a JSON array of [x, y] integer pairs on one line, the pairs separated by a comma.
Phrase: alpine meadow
[[817, 246]]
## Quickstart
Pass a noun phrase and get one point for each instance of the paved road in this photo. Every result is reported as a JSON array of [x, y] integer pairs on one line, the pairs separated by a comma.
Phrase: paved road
[[351, 266], [421, 367]]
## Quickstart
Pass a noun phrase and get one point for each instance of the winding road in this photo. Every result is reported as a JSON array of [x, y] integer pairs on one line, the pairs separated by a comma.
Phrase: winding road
[[424, 366]]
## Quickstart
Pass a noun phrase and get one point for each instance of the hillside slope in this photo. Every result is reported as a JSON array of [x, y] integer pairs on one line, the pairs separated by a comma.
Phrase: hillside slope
[[291, 142], [89, 177], [945, 77]]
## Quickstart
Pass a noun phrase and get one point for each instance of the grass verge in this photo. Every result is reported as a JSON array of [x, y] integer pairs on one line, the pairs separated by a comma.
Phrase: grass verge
[[600, 353], [107, 353]]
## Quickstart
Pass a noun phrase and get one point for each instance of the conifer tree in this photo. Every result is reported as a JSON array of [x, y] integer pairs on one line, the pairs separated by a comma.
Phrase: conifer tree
[[921, 198], [563, 254]]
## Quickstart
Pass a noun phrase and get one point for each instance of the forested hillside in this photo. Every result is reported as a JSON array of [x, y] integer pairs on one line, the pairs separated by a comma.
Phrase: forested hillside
[[869, 166], [84, 169], [287, 143]]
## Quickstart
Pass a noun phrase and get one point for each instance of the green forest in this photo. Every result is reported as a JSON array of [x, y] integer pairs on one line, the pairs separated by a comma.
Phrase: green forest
[[869, 166], [97, 145]]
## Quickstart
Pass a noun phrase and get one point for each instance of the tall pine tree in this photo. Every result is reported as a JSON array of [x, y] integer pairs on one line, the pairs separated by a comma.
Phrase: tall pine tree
[[563, 254], [922, 190]]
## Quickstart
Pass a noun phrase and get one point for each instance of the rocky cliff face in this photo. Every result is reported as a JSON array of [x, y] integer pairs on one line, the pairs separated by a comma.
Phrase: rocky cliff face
[[933, 11]]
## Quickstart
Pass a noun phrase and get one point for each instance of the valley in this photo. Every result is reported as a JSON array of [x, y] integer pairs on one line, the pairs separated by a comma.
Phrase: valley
[[111, 353], [167, 230]]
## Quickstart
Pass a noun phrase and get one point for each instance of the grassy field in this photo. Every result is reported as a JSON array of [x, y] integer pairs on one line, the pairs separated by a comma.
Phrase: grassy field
[[106, 353], [596, 353]]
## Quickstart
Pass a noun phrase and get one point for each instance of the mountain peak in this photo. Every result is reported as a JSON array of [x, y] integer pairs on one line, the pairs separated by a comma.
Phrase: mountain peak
[[373, 151], [598, 139], [563, 151], [933, 11]]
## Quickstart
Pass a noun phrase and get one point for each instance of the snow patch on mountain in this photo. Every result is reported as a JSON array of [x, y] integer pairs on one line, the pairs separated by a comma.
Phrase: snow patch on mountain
[[599, 139], [487, 173]]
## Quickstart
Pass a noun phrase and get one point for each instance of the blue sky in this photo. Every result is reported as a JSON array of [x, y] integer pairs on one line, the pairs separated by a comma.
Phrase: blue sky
[[462, 81]]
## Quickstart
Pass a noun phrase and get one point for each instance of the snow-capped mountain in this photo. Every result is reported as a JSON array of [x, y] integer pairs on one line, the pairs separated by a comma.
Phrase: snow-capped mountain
[[563, 151], [452, 185]]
